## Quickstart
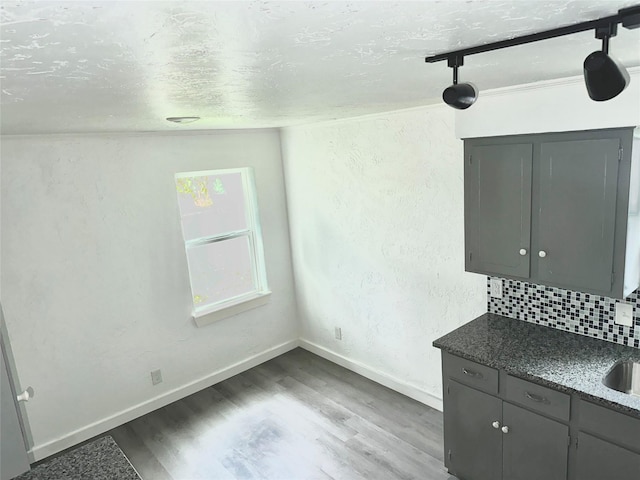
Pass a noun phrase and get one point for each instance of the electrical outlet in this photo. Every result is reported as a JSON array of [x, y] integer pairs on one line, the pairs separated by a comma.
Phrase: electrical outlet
[[496, 288], [338, 332], [156, 377], [624, 314]]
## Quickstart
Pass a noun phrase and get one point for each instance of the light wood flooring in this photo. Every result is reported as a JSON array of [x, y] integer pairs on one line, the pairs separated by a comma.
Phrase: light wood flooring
[[295, 417]]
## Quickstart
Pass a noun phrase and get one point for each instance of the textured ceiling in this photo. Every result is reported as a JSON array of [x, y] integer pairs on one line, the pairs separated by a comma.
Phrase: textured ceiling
[[91, 66]]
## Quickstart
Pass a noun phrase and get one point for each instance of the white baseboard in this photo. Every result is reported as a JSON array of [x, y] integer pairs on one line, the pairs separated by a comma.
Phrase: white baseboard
[[39, 452], [377, 376]]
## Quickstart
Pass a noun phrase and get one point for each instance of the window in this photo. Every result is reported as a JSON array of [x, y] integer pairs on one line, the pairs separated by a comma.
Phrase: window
[[222, 238]]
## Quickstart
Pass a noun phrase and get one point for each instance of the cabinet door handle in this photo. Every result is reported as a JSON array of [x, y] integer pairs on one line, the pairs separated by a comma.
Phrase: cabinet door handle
[[505, 429], [536, 398], [496, 424], [471, 373], [542, 254], [26, 395], [523, 251]]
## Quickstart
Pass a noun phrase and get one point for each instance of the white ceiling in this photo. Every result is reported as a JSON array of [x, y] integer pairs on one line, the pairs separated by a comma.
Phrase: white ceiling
[[96, 66]]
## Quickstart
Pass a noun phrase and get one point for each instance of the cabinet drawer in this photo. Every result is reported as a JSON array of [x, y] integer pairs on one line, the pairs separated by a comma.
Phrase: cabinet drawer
[[536, 397], [616, 427], [470, 373]]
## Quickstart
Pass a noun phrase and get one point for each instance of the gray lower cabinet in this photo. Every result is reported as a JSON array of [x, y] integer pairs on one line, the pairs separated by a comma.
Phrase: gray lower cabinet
[[473, 448], [554, 209], [535, 447], [599, 460], [501, 427], [488, 439], [608, 444]]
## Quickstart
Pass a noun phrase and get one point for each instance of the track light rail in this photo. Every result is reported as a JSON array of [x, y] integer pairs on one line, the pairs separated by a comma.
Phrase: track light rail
[[629, 17]]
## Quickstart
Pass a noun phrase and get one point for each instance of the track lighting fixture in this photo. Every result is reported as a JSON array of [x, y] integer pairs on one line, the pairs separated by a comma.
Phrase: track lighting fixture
[[459, 95], [604, 76]]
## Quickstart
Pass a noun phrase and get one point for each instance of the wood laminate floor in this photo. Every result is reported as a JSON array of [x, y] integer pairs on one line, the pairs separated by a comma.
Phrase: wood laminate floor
[[295, 417]]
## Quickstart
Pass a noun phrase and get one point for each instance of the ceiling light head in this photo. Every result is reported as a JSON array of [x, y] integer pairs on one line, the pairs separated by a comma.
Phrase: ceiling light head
[[604, 76], [183, 119], [459, 95]]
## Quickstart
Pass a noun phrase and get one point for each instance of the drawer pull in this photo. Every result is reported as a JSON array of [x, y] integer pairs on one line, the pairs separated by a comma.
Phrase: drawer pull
[[536, 398], [471, 373]]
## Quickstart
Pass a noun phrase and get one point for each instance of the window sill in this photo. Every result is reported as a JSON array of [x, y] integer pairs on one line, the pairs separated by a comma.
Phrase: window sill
[[207, 316]]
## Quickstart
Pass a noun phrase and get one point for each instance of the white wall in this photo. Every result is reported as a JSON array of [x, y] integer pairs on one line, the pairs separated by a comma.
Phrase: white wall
[[553, 106], [95, 282], [376, 216]]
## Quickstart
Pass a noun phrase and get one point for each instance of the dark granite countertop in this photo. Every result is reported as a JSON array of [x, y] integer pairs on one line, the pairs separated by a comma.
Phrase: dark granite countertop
[[565, 361]]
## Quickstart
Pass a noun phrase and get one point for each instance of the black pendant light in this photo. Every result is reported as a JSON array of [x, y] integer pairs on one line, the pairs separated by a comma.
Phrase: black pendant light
[[604, 76], [459, 95]]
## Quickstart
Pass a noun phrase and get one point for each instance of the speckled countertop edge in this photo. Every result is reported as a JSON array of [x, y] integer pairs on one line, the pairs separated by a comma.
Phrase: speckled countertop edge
[[100, 459], [565, 361]]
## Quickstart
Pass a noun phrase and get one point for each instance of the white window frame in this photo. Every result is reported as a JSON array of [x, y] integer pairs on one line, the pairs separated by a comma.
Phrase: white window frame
[[211, 312]]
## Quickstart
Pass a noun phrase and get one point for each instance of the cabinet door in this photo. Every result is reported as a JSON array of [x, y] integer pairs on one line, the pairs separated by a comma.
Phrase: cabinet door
[[473, 447], [577, 210], [598, 459], [498, 208], [535, 447]]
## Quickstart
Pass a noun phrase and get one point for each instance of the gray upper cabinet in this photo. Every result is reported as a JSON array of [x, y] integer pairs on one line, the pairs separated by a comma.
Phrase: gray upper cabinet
[[498, 207], [558, 209], [577, 212]]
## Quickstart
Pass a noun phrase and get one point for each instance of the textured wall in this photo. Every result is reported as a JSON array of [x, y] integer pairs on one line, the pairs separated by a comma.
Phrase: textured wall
[[376, 217], [94, 274]]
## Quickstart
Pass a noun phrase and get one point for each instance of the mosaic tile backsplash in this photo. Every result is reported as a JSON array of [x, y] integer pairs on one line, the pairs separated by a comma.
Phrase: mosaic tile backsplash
[[576, 312]]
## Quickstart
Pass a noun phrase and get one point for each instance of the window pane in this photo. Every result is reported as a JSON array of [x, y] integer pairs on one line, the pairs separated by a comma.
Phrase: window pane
[[211, 205], [220, 270]]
